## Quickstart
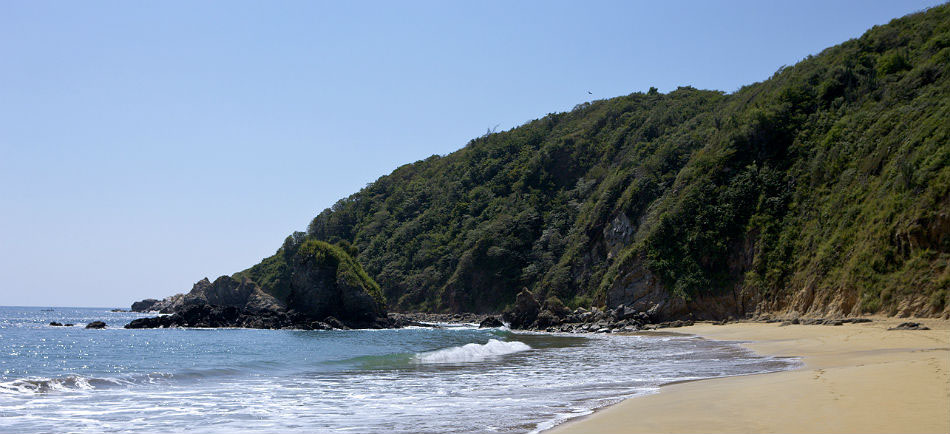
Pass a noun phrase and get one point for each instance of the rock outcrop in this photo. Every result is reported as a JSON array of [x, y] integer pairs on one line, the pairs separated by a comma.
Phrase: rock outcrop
[[208, 316], [524, 312], [318, 290], [310, 284], [146, 305], [909, 326], [96, 325], [490, 322]]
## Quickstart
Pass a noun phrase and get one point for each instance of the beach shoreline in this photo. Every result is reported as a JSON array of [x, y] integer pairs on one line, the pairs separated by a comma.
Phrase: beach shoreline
[[854, 378]]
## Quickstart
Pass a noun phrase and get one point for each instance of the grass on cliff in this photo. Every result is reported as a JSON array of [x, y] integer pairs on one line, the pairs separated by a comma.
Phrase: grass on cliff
[[274, 273]]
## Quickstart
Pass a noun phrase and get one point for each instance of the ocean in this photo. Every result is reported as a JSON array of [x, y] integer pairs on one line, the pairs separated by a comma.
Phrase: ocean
[[446, 379]]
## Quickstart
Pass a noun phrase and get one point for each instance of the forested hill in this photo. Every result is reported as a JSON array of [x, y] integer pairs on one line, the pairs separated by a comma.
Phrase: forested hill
[[822, 190]]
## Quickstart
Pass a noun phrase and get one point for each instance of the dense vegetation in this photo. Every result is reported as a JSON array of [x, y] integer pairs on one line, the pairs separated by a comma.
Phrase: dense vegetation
[[824, 188], [298, 255]]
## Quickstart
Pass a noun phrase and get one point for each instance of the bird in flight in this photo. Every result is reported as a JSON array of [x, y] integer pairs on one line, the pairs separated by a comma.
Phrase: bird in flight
[[589, 92]]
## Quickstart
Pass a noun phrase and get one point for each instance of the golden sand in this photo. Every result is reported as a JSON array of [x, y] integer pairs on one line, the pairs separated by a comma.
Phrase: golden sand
[[857, 378]]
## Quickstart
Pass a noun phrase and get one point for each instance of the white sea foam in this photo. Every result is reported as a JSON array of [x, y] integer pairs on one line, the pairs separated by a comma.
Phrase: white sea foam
[[187, 380], [472, 352], [43, 385]]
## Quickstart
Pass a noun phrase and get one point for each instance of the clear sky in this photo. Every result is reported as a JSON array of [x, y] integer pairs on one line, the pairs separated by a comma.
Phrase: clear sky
[[146, 145]]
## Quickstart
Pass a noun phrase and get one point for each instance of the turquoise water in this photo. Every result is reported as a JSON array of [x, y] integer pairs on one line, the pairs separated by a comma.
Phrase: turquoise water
[[418, 380]]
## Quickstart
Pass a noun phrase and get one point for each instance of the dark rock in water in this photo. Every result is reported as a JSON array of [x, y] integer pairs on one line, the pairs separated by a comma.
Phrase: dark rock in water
[[205, 315], [910, 326], [96, 325], [146, 305], [398, 320], [118, 310], [320, 325], [491, 322], [69, 324], [308, 281], [55, 324], [524, 312], [335, 323], [209, 316], [149, 323]]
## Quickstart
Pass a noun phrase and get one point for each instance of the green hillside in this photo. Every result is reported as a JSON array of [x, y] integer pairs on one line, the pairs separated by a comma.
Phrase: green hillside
[[823, 189]]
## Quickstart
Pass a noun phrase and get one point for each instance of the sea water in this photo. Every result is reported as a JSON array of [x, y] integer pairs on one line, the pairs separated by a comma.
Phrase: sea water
[[416, 380]]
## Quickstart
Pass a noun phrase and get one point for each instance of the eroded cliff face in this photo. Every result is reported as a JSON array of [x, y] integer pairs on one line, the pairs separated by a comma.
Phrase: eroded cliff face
[[321, 290], [640, 290]]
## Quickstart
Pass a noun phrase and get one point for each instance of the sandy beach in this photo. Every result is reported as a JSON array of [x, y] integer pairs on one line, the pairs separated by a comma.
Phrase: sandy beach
[[856, 378]]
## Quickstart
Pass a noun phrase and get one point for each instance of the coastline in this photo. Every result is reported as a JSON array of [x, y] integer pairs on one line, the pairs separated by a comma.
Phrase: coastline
[[854, 378]]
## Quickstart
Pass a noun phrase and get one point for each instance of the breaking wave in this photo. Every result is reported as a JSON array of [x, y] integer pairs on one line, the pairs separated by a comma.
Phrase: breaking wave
[[472, 352], [63, 384], [79, 383]]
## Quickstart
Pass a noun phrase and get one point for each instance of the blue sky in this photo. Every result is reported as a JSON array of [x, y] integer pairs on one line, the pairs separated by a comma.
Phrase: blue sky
[[144, 146]]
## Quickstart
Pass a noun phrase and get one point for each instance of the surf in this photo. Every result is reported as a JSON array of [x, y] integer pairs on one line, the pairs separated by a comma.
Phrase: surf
[[472, 352]]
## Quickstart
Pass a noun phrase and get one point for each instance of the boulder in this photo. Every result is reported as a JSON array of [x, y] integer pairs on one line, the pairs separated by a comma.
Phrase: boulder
[[910, 326], [96, 325], [598, 315], [524, 312], [55, 324], [320, 325], [491, 322], [546, 319], [335, 323], [623, 312], [556, 307]]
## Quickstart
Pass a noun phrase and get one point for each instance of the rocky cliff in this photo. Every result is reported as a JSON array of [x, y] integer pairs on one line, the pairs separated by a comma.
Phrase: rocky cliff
[[307, 284], [823, 190]]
